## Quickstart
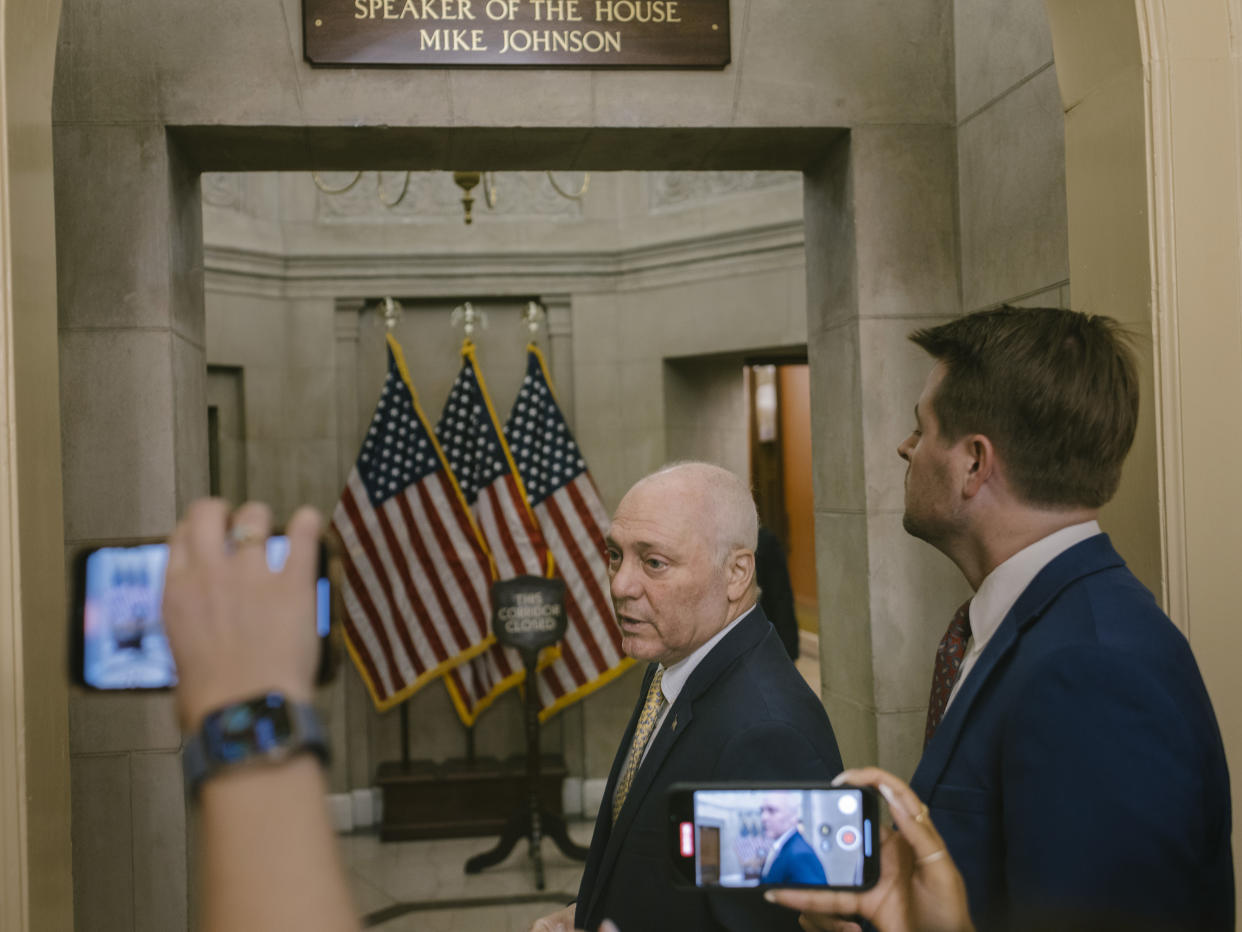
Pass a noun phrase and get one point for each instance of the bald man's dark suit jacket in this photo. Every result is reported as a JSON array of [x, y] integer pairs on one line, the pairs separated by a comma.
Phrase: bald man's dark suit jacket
[[744, 714], [1078, 778]]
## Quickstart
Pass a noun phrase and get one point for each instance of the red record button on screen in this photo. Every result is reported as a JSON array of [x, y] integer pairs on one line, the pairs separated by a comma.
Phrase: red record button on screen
[[848, 838], [687, 839]]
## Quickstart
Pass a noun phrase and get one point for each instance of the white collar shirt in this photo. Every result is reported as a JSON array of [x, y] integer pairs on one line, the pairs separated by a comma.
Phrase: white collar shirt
[[676, 675], [1001, 588]]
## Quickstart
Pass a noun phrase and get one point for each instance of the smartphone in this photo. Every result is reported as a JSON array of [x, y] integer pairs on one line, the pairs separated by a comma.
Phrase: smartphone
[[774, 835], [116, 638]]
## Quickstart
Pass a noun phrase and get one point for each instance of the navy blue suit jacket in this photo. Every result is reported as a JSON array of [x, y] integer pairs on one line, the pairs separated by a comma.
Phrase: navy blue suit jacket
[[1080, 772], [744, 714], [795, 863]]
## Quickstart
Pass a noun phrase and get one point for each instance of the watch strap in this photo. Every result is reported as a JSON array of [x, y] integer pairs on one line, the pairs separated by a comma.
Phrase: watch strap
[[201, 760]]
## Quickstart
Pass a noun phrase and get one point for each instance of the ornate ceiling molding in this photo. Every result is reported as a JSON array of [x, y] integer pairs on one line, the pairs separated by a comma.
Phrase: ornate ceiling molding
[[774, 246], [431, 197], [668, 191]]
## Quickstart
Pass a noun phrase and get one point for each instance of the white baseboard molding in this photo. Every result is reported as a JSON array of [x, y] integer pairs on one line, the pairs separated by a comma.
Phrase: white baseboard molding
[[592, 796], [571, 797], [356, 810], [341, 807]]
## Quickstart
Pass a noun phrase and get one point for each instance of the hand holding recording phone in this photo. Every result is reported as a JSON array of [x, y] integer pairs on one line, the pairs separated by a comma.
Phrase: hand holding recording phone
[[759, 836], [919, 888], [241, 636], [235, 625]]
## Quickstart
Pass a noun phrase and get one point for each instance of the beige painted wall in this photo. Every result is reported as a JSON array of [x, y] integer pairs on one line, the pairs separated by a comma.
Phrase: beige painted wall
[[283, 348], [1152, 92], [35, 888], [705, 414]]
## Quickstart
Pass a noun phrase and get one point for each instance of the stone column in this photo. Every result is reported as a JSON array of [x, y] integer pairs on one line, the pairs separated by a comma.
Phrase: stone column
[[560, 330], [134, 434], [354, 746], [570, 726], [881, 261], [349, 430]]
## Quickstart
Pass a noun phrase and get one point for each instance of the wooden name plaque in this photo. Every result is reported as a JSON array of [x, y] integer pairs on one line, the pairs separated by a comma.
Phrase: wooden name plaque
[[498, 33]]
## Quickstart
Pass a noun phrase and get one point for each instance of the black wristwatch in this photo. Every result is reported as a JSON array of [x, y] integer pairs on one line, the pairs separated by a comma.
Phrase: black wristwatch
[[266, 728]]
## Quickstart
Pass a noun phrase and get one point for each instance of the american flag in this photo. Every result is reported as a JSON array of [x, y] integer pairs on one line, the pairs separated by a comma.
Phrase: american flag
[[751, 845], [479, 456], [417, 575], [574, 521]]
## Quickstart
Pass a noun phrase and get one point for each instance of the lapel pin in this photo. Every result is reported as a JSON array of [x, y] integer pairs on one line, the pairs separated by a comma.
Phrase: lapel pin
[[674, 723]]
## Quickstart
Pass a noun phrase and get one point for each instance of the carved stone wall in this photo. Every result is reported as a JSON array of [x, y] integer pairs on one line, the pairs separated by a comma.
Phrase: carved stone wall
[[432, 197], [224, 189], [676, 190]]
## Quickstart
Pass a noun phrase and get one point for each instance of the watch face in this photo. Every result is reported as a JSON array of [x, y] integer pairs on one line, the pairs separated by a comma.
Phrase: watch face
[[252, 729]]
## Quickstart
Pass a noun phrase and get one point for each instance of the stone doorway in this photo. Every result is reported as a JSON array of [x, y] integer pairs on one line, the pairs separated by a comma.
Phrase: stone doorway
[[134, 364]]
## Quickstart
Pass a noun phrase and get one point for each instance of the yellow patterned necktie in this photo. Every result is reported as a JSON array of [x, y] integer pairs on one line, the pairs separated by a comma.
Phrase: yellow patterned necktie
[[642, 734]]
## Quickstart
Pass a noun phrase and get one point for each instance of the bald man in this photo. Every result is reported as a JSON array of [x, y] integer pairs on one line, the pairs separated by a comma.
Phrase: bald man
[[720, 701], [790, 859]]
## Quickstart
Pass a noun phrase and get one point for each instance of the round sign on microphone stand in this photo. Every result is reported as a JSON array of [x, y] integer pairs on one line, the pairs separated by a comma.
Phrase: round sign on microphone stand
[[528, 614]]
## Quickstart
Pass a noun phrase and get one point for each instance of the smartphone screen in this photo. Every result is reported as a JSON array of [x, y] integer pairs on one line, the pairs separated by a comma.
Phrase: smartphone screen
[[775, 836], [120, 640]]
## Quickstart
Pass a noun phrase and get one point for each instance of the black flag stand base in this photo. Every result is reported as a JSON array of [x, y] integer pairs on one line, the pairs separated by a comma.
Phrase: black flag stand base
[[532, 821]]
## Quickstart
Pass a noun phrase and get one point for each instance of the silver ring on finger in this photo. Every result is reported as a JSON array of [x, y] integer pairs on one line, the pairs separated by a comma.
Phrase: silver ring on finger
[[242, 534], [931, 858]]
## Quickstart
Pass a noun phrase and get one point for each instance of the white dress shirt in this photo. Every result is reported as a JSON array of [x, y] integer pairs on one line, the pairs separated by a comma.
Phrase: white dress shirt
[[676, 675], [1000, 589]]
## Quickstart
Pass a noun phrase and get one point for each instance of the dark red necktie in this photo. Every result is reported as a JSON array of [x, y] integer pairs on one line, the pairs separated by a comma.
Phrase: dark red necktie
[[949, 657]]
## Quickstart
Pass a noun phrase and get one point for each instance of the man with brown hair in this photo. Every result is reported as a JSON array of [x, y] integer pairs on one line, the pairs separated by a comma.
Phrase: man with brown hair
[[1072, 760]]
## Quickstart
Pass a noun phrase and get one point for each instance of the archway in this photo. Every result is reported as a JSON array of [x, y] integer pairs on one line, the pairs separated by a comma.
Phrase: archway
[[35, 885], [132, 340]]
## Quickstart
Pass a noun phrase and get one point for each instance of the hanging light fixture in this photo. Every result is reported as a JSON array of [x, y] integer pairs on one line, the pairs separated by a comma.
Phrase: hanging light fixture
[[467, 181]]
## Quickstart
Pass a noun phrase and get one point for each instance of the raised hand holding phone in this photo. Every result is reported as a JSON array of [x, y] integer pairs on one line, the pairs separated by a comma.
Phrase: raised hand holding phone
[[117, 640], [239, 630], [236, 627], [919, 887]]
